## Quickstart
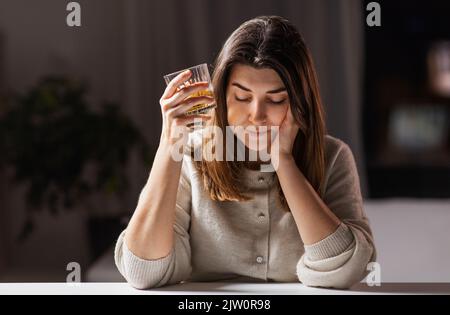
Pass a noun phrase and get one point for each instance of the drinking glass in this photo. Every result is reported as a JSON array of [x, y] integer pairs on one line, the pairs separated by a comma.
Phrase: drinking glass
[[199, 73]]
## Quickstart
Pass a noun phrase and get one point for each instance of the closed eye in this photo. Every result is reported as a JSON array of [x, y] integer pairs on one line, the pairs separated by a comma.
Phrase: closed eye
[[248, 100], [241, 99], [278, 102]]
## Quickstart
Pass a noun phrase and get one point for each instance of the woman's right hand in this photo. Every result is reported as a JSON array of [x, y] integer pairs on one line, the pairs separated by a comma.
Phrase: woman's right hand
[[174, 105]]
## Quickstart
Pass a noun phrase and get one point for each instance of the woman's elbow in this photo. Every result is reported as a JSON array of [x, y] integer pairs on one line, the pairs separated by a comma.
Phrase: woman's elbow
[[338, 277]]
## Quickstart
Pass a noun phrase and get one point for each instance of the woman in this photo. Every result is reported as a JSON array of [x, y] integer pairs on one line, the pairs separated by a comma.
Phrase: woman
[[211, 220]]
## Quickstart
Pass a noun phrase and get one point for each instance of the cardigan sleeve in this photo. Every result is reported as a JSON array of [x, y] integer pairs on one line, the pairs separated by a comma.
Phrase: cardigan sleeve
[[171, 269], [340, 260]]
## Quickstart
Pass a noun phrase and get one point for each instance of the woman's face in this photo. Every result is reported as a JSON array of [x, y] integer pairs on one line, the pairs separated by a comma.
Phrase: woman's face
[[255, 98]]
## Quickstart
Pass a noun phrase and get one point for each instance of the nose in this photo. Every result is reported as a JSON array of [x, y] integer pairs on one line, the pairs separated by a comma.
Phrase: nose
[[258, 113]]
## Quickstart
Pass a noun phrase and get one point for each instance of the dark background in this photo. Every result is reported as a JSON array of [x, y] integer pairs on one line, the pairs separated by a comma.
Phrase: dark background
[[396, 73]]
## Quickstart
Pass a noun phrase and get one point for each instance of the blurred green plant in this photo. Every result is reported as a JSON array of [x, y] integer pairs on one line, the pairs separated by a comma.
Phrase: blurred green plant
[[50, 135]]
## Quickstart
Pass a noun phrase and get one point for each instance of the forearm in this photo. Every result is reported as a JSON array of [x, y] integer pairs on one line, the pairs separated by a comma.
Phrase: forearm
[[150, 232], [314, 220]]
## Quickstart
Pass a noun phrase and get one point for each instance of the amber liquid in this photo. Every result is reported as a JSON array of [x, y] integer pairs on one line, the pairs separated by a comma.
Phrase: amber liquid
[[200, 108]]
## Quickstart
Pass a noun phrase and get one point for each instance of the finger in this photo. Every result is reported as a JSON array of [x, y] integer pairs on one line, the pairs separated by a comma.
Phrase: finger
[[194, 106], [182, 108], [173, 85], [198, 121], [186, 120], [187, 91]]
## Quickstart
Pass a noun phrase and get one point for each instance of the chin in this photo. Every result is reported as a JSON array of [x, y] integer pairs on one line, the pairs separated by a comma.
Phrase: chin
[[256, 145]]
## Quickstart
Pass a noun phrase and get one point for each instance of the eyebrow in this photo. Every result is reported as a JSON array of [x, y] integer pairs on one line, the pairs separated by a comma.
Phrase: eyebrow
[[281, 89]]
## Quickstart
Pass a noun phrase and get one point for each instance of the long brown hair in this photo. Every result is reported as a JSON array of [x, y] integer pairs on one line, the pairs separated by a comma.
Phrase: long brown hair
[[269, 42]]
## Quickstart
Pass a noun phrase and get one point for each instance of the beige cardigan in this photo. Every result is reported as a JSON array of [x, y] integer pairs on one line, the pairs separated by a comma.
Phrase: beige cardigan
[[257, 240]]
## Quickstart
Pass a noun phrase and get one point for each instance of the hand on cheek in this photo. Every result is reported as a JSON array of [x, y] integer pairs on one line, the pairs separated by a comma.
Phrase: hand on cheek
[[287, 133]]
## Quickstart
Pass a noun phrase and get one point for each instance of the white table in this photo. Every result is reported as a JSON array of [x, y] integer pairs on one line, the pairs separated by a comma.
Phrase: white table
[[217, 288]]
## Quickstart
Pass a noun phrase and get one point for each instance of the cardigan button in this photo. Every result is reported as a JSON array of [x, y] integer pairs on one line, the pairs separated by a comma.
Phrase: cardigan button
[[259, 259], [261, 216], [261, 179]]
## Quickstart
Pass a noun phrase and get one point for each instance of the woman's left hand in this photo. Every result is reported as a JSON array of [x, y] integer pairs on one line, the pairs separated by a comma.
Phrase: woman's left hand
[[286, 135]]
